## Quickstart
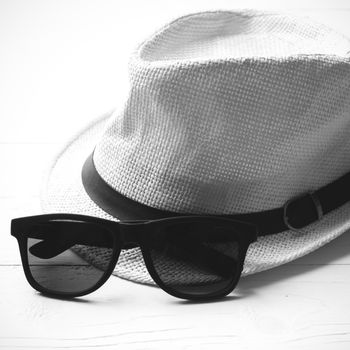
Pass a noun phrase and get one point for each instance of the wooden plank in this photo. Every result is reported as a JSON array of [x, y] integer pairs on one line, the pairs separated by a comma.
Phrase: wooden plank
[[292, 311]]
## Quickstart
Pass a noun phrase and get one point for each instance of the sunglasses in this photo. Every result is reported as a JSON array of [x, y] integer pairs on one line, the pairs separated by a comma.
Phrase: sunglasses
[[189, 257]]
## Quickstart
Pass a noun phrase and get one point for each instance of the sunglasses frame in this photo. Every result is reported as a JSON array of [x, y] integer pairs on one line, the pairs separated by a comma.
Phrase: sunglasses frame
[[130, 234]]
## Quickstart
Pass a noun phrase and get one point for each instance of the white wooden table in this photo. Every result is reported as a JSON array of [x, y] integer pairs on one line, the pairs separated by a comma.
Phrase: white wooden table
[[63, 63]]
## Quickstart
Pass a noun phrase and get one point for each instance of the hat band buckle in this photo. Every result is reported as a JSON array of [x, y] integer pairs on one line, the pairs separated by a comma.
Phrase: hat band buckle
[[316, 202]]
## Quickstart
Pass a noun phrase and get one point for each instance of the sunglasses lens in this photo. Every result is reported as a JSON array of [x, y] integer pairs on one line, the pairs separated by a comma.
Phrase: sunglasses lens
[[196, 259], [69, 256]]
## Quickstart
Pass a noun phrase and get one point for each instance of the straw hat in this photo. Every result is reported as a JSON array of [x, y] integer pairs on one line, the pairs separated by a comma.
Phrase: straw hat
[[228, 112]]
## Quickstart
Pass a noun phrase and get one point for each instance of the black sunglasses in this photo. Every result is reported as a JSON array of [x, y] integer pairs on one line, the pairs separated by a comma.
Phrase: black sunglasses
[[189, 257]]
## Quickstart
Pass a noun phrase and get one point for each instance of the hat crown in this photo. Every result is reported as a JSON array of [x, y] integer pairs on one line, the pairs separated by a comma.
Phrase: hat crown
[[231, 112]]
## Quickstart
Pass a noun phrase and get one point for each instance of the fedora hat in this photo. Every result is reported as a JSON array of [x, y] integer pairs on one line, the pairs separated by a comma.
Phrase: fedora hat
[[229, 112]]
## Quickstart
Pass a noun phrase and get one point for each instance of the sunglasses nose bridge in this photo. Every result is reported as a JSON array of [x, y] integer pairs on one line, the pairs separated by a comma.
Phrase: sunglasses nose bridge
[[130, 233]]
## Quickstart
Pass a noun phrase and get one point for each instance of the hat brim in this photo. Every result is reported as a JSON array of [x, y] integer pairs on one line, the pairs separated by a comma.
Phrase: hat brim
[[63, 192]]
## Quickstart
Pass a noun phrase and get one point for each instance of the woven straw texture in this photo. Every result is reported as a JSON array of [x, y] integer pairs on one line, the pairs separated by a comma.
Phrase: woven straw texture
[[228, 112]]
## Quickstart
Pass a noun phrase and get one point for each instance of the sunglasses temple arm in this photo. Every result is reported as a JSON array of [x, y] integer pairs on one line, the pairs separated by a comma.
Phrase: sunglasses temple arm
[[50, 247]]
